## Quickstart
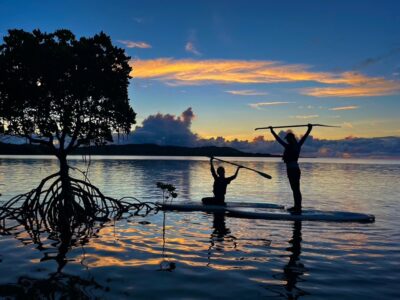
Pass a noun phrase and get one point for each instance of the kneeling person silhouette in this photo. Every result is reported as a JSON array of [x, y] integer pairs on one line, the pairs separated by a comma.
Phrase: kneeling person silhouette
[[220, 184]]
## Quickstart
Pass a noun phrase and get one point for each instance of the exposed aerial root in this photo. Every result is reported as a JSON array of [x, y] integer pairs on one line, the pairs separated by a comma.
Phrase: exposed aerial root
[[51, 208]]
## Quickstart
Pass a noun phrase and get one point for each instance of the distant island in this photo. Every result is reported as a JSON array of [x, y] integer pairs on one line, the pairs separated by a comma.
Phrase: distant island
[[133, 149]]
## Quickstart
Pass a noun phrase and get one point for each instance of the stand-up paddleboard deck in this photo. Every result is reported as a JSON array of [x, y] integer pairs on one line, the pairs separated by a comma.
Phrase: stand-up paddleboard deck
[[306, 215], [269, 211], [199, 206]]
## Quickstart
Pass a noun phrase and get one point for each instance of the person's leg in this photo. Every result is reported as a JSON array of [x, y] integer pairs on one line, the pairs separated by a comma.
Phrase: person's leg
[[213, 201], [219, 199], [294, 180], [208, 200]]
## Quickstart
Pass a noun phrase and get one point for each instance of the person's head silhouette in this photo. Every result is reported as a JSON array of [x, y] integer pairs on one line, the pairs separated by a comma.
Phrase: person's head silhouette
[[221, 171], [290, 138]]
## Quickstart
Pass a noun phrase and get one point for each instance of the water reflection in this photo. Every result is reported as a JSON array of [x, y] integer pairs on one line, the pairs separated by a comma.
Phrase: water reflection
[[294, 268], [166, 264], [220, 237], [213, 252], [220, 230], [57, 286], [55, 245]]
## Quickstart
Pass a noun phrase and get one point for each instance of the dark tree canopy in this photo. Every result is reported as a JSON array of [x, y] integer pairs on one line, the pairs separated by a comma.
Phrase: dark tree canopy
[[62, 91]]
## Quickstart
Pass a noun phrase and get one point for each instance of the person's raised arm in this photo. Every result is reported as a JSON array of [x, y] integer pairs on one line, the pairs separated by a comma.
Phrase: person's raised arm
[[303, 139], [277, 138], [235, 175], [214, 174]]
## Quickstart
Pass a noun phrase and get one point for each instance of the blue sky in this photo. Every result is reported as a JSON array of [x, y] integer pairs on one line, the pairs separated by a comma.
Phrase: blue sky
[[245, 64]]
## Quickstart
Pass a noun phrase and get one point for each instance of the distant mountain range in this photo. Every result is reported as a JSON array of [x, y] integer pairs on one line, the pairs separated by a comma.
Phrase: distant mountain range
[[132, 149]]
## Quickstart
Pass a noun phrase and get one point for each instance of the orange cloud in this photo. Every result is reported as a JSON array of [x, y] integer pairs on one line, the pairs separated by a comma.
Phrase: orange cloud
[[351, 107], [195, 72], [374, 87], [225, 71]]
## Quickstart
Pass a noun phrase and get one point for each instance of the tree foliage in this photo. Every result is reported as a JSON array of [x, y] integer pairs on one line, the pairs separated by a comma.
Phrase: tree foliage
[[62, 91]]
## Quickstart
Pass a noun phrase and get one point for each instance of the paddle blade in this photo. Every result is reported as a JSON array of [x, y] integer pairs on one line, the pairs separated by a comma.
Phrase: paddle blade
[[322, 125], [265, 175]]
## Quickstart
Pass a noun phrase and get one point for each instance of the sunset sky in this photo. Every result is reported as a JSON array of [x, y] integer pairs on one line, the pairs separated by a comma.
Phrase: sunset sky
[[246, 64]]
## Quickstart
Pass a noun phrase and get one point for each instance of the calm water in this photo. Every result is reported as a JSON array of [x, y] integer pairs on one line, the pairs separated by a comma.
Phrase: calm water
[[215, 256]]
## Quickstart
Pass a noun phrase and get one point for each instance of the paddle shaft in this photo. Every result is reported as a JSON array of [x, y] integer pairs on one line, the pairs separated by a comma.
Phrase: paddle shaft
[[237, 165], [292, 126]]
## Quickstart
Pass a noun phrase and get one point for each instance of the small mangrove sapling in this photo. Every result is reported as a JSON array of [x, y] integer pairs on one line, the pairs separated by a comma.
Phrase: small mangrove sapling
[[168, 191]]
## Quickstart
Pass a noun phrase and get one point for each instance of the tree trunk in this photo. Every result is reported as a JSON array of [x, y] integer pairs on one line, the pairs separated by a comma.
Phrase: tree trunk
[[69, 208], [66, 192], [64, 168]]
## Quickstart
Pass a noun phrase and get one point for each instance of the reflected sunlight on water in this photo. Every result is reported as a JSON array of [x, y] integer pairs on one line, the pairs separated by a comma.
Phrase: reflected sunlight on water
[[201, 255]]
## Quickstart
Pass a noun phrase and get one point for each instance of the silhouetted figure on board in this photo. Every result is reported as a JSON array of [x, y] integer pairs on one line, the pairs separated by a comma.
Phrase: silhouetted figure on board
[[290, 157], [220, 184]]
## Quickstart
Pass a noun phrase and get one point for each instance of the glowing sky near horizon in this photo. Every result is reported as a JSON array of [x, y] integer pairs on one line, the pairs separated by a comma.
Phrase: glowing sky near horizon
[[246, 64]]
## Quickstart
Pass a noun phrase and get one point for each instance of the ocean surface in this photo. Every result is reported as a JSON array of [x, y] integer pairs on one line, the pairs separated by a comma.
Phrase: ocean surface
[[196, 255]]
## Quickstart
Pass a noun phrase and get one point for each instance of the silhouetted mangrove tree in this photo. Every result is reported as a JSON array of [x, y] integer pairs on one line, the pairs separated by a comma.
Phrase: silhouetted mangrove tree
[[62, 92]]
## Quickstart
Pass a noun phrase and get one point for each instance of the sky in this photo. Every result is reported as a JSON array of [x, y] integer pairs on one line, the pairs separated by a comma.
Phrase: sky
[[238, 65]]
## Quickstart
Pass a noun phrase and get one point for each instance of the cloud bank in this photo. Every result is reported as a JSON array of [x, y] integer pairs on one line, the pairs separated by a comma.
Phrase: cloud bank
[[166, 129]]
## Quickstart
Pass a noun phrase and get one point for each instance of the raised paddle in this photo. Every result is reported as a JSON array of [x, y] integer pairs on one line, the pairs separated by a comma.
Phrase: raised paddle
[[292, 126], [265, 175]]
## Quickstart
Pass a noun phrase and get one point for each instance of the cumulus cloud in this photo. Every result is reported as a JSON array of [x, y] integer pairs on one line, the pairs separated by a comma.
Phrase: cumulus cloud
[[165, 129], [195, 72], [351, 107], [246, 93], [258, 105], [132, 44], [186, 117]]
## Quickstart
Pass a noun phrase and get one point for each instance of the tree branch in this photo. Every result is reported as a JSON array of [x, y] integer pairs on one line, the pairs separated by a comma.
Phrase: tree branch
[[48, 143], [71, 145]]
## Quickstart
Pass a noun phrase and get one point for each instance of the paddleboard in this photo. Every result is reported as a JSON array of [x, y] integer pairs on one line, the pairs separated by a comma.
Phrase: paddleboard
[[268, 211], [306, 215], [199, 206]]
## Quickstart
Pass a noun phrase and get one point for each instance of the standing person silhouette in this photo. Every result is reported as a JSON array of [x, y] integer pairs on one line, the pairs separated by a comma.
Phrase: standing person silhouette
[[290, 157], [220, 184]]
